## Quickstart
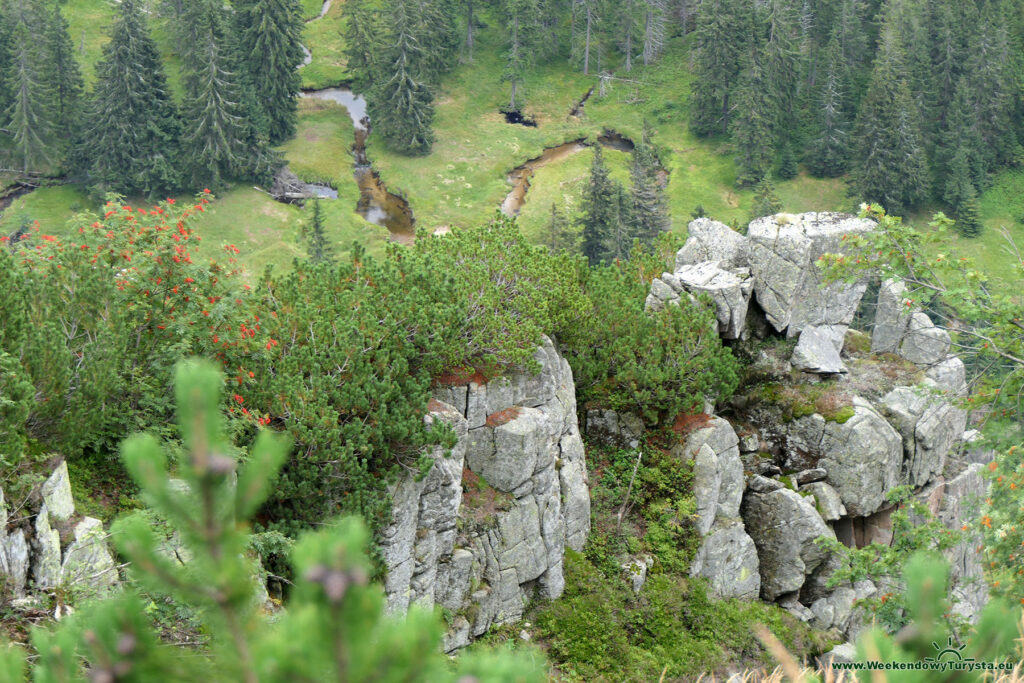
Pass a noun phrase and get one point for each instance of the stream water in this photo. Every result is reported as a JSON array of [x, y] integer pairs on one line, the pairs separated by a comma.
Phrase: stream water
[[521, 175], [376, 204]]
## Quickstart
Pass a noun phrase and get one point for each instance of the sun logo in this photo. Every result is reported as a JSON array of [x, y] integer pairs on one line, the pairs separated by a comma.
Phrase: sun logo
[[950, 653]]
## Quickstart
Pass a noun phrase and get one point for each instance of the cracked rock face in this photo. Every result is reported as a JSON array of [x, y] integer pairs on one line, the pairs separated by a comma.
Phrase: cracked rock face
[[712, 241], [930, 427], [783, 526], [783, 251], [487, 529]]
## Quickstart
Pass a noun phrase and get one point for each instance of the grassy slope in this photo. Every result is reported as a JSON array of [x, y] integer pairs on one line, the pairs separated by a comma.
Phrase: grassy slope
[[323, 38], [462, 181]]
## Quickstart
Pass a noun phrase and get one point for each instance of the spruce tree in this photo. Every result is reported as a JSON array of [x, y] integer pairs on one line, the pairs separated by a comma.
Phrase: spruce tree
[[559, 234], [889, 161], [218, 142], [269, 34], [960, 150], [364, 42], [655, 18], [989, 73], [401, 106], [30, 116], [131, 134], [320, 250], [766, 202], [968, 215], [522, 23], [788, 167], [649, 213], [753, 124], [65, 77], [622, 227], [435, 29], [600, 210], [780, 64], [829, 150], [720, 43]]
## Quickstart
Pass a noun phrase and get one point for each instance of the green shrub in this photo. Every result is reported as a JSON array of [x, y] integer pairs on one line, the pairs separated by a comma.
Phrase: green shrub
[[334, 628], [656, 364]]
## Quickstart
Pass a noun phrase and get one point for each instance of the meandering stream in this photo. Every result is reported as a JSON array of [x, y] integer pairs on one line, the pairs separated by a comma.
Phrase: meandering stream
[[521, 175], [376, 204]]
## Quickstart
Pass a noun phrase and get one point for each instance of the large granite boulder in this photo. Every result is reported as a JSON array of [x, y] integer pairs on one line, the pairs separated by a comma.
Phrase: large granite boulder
[[961, 498], [88, 566], [57, 494], [892, 315], [719, 473], [46, 571], [486, 531], [863, 457], [15, 549], [729, 289], [727, 558], [783, 251], [924, 343], [784, 526], [816, 351], [930, 426], [710, 240]]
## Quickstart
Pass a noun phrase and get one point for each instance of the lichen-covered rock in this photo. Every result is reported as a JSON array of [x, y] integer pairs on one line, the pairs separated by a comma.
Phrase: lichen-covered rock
[[635, 571], [834, 610], [892, 315], [16, 551], [924, 343], [962, 495], [724, 479], [783, 251], [710, 240], [57, 494], [486, 530], [930, 427], [46, 571], [507, 453], [829, 504], [784, 526], [88, 566], [409, 546], [949, 375], [707, 484], [816, 352], [729, 289], [727, 558], [863, 457]]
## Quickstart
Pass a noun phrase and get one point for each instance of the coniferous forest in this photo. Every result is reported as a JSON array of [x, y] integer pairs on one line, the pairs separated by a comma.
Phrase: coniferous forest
[[338, 336]]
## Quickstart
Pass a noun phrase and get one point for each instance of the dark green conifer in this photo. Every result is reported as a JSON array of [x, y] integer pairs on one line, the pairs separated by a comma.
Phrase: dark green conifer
[[649, 213], [968, 215], [130, 142], [753, 124], [218, 142], [766, 202], [269, 34], [829, 152], [364, 42], [65, 77], [30, 116], [401, 106], [522, 19], [600, 210], [719, 46], [559, 233], [890, 166], [320, 249]]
